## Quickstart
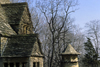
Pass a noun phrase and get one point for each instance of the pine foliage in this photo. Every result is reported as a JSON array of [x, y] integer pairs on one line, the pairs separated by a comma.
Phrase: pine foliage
[[90, 57]]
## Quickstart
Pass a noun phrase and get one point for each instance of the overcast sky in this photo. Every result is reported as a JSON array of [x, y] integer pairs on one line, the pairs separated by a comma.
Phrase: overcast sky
[[88, 10]]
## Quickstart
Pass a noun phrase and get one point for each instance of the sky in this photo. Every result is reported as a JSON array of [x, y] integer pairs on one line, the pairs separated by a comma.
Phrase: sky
[[88, 10]]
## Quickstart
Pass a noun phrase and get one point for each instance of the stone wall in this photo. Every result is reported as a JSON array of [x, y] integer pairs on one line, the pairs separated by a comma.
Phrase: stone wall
[[28, 62], [4, 42], [26, 26], [15, 61], [74, 64], [36, 59]]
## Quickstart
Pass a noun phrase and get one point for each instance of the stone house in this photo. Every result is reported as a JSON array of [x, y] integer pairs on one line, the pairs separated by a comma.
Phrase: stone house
[[19, 46]]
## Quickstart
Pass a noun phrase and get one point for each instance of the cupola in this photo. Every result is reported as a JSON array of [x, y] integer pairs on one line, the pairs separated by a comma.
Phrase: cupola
[[69, 57]]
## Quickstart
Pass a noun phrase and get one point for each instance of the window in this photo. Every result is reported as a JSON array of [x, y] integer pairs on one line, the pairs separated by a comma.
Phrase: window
[[24, 64], [17, 64], [35, 64], [5, 64], [15, 27], [11, 64], [73, 58], [26, 29]]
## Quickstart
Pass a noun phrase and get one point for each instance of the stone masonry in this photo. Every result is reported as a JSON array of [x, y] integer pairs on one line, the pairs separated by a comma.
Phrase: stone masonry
[[69, 57], [19, 46]]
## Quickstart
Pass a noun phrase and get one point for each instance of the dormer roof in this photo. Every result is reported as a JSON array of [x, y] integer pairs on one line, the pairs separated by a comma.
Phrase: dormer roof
[[13, 14], [70, 51], [16, 12], [21, 46]]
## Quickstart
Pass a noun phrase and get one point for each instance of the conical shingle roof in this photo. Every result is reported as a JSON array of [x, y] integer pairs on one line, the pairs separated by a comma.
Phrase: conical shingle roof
[[70, 51]]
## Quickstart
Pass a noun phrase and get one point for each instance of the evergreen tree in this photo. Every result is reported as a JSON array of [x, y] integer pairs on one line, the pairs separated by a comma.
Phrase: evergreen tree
[[90, 57]]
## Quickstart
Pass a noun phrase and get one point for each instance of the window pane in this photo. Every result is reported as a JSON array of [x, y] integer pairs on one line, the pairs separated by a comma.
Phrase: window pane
[[5, 64], [34, 64], [17, 64], [11, 64], [37, 64], [24, 64]]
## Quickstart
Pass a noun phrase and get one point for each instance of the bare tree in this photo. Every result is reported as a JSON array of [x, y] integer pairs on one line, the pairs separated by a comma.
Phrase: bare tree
[[94, 33], [78, 39], [56, 13]]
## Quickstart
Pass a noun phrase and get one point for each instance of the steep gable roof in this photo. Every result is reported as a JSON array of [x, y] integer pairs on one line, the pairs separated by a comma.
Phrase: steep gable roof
[[20, 45], [5, 28], [15, 12], [70, 51]]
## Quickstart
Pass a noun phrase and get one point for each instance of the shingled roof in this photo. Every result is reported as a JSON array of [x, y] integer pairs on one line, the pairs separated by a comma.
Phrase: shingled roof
[[5, 29], [15, 12], [20, 45], [70, 51]]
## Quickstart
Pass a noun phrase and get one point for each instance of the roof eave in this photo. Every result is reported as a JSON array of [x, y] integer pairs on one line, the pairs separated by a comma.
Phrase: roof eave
[[70, 54]]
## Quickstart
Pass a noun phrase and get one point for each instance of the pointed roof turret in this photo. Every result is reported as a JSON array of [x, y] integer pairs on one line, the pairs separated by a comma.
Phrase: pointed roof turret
[[70, 51]]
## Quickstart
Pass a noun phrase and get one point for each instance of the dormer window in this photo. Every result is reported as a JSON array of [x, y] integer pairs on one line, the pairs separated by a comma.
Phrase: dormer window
[[24, 29]]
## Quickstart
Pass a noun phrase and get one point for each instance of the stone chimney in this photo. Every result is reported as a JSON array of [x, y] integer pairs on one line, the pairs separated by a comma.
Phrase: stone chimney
[[69, 57]]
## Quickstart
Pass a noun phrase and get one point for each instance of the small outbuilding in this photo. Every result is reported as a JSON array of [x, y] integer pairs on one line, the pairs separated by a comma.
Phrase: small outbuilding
[[69, 57]]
